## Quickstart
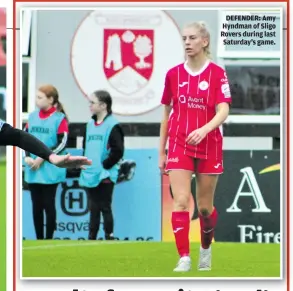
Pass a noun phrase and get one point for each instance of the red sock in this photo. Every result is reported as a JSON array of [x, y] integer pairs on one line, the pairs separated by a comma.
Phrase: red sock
[[180, 224], [207, 226]]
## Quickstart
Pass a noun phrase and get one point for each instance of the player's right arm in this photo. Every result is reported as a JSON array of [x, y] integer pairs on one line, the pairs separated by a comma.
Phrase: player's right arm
[[166, 101]]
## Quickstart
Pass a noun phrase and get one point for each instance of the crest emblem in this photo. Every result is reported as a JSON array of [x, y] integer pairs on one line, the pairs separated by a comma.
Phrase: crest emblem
[[128, 58], [203, 85], [124, 52]]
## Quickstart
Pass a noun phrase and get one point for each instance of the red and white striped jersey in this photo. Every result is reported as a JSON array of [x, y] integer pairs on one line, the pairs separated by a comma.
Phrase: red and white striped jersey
[[194, 97]]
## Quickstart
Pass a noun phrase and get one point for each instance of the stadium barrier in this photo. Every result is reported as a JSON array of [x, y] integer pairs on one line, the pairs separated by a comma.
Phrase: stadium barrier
[[247, 199], [136, 203]]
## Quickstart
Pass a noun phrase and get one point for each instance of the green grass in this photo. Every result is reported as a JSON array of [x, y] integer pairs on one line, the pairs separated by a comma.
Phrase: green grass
[[144, 259], [3, 225]]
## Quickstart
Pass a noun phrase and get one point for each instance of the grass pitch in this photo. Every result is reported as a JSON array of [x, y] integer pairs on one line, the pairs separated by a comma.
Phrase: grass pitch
[[3, 225], [143, 259]]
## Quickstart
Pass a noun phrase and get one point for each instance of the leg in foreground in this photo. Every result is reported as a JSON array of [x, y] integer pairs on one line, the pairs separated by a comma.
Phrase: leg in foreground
[[205, 189], [180, 184]]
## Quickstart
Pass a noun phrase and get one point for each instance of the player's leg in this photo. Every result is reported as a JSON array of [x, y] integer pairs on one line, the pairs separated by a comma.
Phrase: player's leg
[[38, 209], [180, 170], [106, 194], [95, 212], [49, 192], [206, 182]]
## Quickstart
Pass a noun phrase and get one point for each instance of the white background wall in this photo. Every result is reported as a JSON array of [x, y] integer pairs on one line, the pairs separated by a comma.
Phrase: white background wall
[[55, 32]]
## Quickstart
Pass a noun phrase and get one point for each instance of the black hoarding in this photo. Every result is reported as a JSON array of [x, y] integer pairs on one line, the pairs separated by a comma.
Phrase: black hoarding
[[248, 197]]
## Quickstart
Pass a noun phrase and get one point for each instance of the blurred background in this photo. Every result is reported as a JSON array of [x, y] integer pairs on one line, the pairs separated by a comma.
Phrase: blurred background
[[3, 149], [2, 72], [68, 49]]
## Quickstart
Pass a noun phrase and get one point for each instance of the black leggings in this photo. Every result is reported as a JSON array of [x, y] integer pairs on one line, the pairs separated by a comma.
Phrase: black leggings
[[43, 200], [100, 202]]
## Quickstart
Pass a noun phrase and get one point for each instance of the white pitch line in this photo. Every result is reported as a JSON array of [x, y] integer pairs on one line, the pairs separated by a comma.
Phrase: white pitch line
[[78, 244]]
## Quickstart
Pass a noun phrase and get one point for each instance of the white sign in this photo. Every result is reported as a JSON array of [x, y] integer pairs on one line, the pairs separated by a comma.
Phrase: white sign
[[26, 16], [254, 192], [127, 53], [250, 232]]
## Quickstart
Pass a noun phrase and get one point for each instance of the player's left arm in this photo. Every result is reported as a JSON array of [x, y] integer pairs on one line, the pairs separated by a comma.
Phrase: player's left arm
[[223, 102]]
